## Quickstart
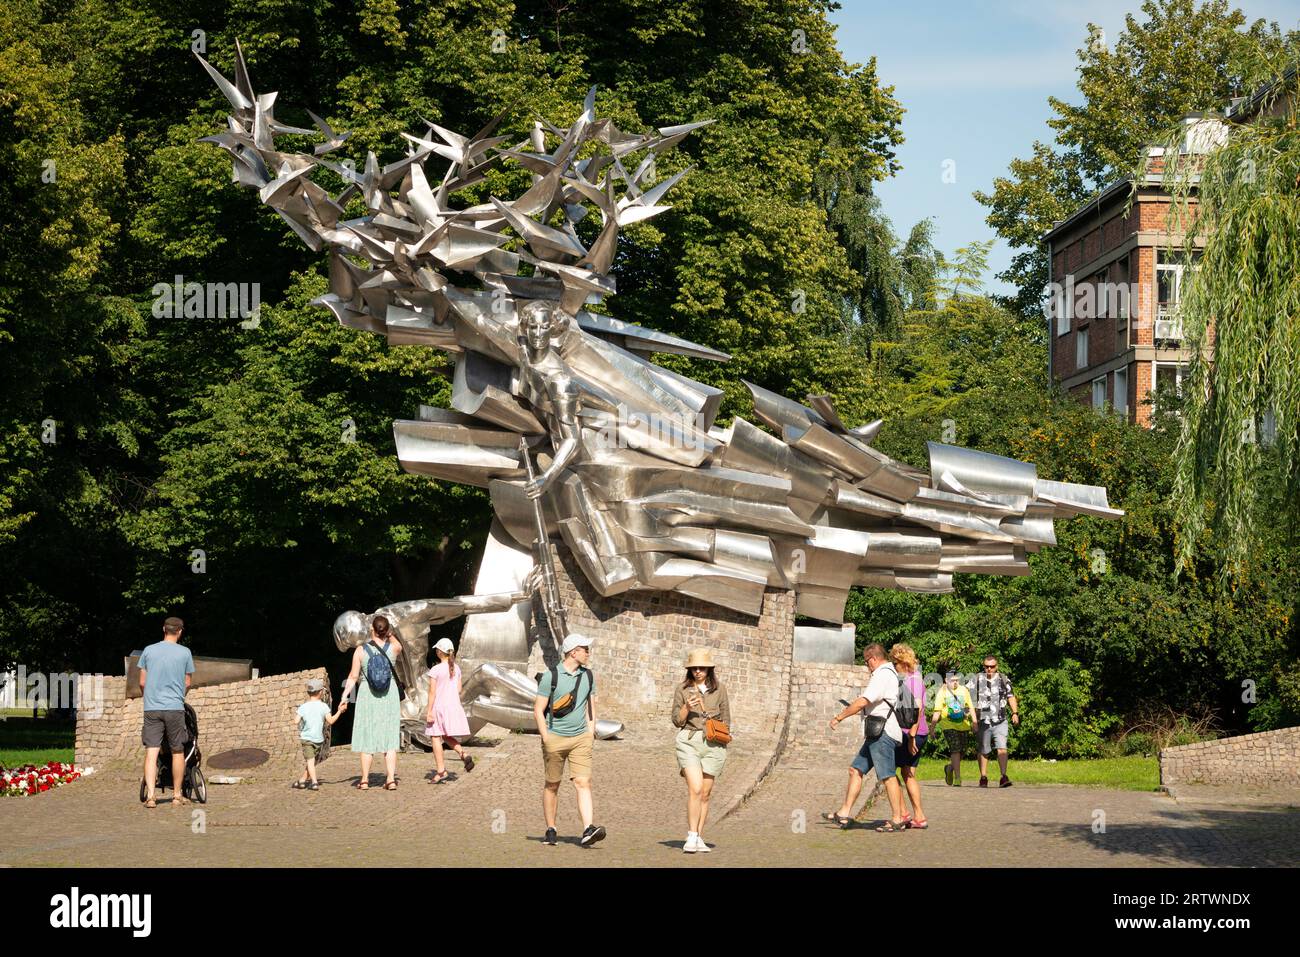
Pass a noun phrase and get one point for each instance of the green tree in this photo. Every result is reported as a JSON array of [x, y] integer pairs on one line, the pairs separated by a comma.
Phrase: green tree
[[1238, 455], [179, 434], [1102, 631], [65, 423], [891, 276], [1174, 58]]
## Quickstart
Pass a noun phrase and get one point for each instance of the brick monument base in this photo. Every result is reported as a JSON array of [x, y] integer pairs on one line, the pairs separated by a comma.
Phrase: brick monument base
[[640, 641]]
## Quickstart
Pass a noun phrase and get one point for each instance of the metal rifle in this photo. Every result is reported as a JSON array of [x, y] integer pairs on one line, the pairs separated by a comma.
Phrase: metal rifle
[[542, 555]]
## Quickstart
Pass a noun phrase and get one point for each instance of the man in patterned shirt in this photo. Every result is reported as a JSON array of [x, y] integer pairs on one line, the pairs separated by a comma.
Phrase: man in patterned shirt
[[993, 698]]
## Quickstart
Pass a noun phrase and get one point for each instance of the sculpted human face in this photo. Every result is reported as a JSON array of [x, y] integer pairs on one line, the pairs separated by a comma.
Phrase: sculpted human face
[[537, 330]]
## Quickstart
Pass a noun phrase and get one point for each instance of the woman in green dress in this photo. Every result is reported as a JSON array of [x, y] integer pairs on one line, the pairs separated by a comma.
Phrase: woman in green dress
[[376, 728]]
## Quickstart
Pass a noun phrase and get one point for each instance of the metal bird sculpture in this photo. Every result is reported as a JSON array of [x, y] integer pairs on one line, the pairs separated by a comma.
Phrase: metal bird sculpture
[[636, 478]]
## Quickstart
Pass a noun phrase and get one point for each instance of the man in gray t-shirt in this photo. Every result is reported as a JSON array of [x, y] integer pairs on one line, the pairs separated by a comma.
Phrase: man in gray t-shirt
[[165, 675]]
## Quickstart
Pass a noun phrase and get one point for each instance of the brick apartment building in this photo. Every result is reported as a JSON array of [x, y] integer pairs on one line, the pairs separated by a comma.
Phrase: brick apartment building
[[1114, 328], [1112, 350]]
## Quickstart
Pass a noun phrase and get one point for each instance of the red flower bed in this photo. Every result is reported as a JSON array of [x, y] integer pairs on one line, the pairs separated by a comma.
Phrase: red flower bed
[[29, 779]]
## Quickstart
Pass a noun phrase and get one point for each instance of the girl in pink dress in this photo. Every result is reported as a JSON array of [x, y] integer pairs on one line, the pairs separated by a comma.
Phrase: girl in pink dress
[[446, 718]]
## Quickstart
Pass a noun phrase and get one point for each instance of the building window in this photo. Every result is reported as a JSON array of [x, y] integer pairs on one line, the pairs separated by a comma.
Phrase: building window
[[1064, 308], [1170, 269], [1120, 304], [1120, 403], [1169, 378], [1099, 392], [1169, 277], [1081, 349]]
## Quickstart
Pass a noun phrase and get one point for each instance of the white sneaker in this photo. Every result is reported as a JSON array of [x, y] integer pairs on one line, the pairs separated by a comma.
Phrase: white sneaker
[[701, 846], [692, 844]]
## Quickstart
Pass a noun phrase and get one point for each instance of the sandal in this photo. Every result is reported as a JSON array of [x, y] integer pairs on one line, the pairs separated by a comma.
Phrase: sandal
[[917, 824], [891, 827], [843, 823], [390, 786], [469, 763], [363, 785], [314, 786], [151, 804], [299, 785], [439, 777]]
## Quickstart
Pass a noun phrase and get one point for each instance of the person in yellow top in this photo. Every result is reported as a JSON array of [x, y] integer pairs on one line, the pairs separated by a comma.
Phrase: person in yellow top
[[954, 714]]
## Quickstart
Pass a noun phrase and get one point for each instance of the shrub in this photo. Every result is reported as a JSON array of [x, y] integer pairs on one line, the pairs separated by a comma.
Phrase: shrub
[[1056, 715]]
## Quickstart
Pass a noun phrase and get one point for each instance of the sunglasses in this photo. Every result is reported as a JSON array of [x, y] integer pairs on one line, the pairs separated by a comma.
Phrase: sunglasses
[[990, 667]]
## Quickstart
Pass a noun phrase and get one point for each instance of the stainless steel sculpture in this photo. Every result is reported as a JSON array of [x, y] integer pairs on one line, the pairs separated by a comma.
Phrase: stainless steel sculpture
[[493, 694], [642, 486]]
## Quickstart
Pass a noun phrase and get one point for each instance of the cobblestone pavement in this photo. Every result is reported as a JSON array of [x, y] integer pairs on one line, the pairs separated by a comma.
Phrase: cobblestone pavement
[[1214, 794], [492, 817]]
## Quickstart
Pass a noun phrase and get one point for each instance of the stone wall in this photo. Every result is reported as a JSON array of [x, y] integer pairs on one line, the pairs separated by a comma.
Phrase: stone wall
[[243, 714], [815, 693], [1267, 759], [641, 640]]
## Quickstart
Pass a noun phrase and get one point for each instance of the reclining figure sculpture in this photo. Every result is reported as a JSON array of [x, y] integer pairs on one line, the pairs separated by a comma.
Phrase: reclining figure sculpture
[[636, 478]]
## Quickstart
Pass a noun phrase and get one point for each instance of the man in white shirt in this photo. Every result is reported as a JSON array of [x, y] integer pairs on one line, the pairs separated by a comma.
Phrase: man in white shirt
[[878, 699]]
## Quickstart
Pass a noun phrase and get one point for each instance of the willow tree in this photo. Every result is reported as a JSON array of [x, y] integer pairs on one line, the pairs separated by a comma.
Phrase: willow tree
[[1237, 472]]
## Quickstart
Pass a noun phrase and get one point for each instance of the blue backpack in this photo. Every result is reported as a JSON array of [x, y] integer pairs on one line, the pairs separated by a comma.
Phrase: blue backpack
[[956, 706], [379, 670]]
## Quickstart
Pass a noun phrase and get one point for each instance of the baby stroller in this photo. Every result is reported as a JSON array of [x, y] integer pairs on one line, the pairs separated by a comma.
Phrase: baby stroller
[[194, 787]]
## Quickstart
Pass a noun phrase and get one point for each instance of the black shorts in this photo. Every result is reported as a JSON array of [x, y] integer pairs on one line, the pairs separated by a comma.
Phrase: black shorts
[[903, 756], [170, 722]]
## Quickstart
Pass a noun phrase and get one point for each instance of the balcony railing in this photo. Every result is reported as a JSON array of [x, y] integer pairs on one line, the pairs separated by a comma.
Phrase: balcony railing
[[1169, 328]]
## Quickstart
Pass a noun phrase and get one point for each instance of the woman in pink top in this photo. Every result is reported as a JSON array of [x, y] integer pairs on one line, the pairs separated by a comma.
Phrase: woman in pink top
[[908, 754], [446, 718]]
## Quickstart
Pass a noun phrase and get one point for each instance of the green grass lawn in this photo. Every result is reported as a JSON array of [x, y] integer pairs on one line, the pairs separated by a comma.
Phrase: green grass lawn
[[1134, 773], [27, 740]]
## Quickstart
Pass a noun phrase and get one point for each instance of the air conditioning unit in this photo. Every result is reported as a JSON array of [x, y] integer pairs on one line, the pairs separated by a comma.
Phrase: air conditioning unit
[[1169, 329]]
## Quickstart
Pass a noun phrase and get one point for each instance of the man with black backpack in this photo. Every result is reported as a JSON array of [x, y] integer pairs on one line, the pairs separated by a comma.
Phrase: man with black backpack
[[993, 699], [565, 709]]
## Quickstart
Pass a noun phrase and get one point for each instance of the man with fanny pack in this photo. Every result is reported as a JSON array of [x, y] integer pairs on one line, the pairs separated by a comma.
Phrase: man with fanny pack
[[882, 735], [565, 709]]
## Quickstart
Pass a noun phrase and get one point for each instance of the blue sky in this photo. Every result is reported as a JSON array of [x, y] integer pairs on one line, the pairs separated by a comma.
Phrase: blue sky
[[974, 77]]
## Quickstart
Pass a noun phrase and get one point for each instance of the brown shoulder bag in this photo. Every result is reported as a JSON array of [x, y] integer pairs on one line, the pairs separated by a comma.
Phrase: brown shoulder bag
[[715, 731]]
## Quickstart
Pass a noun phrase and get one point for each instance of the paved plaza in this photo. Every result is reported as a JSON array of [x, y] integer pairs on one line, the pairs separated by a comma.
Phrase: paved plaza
[[492, 817]]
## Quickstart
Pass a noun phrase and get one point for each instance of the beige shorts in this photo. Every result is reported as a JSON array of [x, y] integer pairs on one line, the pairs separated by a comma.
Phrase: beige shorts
[[556, 749], [694, 752]]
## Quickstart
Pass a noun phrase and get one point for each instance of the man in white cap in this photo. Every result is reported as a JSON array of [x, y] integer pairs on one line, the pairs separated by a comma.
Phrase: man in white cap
[[565, 709]]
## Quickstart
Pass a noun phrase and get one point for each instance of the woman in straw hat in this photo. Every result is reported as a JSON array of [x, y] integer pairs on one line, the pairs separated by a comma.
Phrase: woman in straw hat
[[446, 719], [696, 700]]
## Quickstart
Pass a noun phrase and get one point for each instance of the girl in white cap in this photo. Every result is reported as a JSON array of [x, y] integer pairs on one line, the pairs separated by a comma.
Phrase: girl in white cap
[[699, 699], [446, 719]]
